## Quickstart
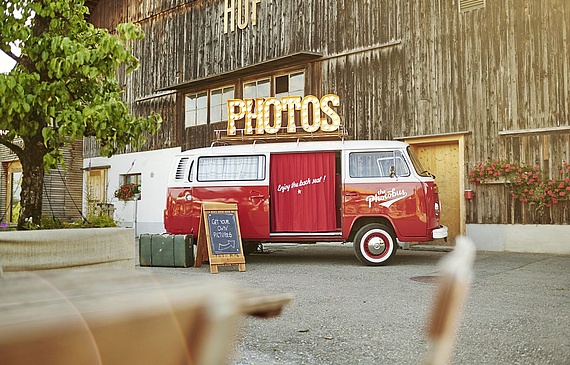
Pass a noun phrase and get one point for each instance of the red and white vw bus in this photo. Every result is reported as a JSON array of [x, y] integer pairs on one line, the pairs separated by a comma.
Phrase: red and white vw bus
[[371, 193]]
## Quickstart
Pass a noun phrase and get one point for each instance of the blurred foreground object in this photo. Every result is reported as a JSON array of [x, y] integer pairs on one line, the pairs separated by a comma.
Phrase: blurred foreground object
[[122, 317], [453, 289]]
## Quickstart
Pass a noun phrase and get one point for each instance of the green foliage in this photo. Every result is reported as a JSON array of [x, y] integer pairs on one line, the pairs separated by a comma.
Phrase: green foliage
[[64, 85], [94, 221]]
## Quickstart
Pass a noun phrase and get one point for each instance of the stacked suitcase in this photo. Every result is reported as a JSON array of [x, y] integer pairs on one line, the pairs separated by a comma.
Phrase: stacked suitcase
[[166, 250]]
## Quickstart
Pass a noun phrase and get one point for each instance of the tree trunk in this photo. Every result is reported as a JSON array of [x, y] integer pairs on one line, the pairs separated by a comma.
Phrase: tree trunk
[[32, 186]]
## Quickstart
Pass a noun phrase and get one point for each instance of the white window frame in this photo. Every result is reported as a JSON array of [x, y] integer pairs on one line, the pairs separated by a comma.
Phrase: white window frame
[[256, 84], [220, 107], [195, 114]]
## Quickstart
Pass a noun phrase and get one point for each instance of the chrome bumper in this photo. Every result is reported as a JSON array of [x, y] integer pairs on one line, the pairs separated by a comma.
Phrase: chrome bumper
[[440, 232]]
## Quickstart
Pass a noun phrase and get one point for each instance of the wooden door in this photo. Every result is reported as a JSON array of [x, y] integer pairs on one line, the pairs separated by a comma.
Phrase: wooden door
[[442, 160], [97, 186], [13, 191]]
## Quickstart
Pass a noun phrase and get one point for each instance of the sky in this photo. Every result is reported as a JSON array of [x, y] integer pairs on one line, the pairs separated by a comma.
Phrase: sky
[[6, 63]]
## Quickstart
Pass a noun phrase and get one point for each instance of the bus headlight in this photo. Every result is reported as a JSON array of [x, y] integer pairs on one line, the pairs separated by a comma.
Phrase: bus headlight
[[436, 206]]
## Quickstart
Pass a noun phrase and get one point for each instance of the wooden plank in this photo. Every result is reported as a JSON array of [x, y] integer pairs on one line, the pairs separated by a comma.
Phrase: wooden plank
[[122, 317]]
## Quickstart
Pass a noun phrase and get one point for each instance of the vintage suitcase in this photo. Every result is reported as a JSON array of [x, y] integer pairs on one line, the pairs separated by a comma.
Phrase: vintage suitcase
[[166, 250]]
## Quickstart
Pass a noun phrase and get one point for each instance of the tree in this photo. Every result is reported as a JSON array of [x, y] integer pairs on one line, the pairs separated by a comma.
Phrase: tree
[[63, 87]]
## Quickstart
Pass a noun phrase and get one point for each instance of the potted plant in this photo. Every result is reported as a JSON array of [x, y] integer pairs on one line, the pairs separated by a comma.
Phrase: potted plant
[[128, 192]]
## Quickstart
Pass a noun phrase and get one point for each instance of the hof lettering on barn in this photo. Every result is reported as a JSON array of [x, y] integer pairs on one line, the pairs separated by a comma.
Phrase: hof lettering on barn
[[241, 10]]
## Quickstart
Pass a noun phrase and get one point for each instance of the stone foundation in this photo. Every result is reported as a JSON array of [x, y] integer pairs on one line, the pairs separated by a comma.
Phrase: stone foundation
[[539, 238]]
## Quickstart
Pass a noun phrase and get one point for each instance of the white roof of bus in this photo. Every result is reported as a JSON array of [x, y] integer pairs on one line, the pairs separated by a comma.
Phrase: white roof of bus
[[284, 147]]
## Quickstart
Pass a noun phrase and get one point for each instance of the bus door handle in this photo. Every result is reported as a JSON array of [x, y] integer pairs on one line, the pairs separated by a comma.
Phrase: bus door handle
[[255, 196]]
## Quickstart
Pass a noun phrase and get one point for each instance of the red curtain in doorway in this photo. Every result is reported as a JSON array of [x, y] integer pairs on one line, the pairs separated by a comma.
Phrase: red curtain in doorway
[[303, 192]]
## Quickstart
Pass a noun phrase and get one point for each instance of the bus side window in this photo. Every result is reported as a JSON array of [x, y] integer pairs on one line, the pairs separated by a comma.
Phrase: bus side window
[[231, 168], [401, 167], [378, 164]]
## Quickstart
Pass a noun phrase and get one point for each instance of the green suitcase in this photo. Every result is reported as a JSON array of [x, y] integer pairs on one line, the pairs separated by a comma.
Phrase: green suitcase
[[145, 252], [166, 250]]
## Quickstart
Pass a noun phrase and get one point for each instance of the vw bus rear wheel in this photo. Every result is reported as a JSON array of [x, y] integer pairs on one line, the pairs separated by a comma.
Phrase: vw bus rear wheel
[[375, 244]]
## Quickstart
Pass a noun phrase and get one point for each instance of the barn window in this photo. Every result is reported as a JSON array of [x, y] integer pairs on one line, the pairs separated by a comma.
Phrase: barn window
[[196, 109], [257, 89], [468, 5], [292, 84], [218, 103]]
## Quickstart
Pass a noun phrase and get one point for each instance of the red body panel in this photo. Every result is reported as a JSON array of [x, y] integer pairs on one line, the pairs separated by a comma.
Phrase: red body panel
[[408, 206], [402, 203], [183, 214]]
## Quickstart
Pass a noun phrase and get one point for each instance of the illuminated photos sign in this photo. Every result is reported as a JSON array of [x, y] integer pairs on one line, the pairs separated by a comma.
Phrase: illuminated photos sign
[[268, 114]]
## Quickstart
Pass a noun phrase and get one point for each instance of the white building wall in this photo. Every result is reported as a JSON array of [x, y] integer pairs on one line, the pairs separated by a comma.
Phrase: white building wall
[[154, 167]]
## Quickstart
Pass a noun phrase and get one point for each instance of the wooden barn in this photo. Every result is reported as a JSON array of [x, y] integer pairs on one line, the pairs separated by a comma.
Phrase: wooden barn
[[465, 82]]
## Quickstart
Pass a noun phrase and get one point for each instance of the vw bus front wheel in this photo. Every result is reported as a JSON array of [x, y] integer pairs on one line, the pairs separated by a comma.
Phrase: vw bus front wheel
[[375, 244]]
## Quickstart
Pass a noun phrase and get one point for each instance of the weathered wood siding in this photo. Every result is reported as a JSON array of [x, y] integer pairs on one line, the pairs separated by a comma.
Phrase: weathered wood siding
[[63, 188], [501, 73]]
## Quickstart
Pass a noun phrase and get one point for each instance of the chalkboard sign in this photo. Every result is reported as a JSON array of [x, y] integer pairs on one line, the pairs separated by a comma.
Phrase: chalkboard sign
[[219, 240], [223, 233]]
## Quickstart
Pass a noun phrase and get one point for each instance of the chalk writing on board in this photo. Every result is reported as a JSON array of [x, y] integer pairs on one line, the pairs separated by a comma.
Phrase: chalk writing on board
[[223, 233]]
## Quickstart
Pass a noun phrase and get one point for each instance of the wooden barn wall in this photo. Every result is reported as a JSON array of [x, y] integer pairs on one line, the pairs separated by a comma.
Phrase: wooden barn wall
[[500, 73], [515, 68], [63, 188]]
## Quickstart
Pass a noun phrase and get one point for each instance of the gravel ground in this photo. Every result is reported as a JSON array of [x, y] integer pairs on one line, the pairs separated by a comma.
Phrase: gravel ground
[[343, 312]]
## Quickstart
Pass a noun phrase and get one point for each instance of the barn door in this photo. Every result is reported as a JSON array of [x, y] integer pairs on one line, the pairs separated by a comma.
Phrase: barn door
[[303, 192], [442, 160]]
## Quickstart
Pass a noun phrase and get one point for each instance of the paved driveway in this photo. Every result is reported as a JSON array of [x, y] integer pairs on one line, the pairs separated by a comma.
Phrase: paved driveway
[[518, 311]]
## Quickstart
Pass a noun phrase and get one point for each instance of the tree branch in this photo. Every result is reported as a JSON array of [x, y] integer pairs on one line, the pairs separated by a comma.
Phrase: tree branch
[[12, 146], [13, 56]]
